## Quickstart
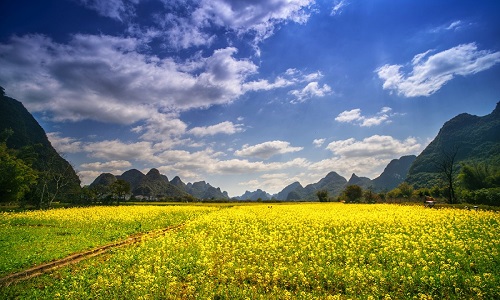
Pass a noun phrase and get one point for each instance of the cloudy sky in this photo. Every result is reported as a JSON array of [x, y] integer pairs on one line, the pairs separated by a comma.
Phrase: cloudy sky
[[248, 94]]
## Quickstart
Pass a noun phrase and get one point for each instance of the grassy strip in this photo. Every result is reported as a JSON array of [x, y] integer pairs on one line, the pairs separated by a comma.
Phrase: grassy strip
[[34, 237]]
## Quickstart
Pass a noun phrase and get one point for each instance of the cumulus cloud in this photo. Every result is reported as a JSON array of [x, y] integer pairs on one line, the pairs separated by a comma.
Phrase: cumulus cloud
[[221, 128], [107, 79], [160, 127], [271, 182], [64, 144], [374, 146], [118, 150], [354, 116], [243, 166], [431, 72], [113, 164], [267, 149], [108, 75], [118, 155], [312, 89], [318, 142], [366, 157], [197, 23]]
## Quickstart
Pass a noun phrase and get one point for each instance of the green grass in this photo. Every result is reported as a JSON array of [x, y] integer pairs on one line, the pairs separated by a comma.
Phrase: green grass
[[33, 237]]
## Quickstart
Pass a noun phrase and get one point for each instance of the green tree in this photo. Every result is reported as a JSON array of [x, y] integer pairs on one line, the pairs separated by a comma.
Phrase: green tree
[[120, 189], [16, 177], [52, 180], [406, 190], [353, 193], [370, 196], [478, 176], [322, 195]]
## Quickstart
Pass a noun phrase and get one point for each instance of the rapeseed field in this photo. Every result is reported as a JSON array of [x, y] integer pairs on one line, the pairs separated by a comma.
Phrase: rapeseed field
[[297, 251]]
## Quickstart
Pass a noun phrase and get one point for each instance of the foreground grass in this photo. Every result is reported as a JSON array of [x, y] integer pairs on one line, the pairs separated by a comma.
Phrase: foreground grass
[[306, 251], [34, 237]]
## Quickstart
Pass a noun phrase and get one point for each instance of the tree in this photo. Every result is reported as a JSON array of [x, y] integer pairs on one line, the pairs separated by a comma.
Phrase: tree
[[16, 177], [405, 189], [446, 165], [478, 176], [353, 193], [322, 195], [120, 189], [370, 196], [52, 180]]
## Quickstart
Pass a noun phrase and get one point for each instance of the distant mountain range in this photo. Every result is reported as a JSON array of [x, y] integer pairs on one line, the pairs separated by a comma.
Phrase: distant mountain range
[[391, 177], [155, 185]]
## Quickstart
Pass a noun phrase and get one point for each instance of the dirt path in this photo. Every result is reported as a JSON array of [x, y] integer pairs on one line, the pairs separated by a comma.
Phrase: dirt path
[[74, 258]]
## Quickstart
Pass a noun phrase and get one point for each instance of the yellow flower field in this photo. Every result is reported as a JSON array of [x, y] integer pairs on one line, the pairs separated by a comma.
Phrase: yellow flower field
[[297, 251]]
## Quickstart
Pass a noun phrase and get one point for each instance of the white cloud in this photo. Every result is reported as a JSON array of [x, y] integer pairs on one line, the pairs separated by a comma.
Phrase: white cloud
[[160, 127], [267, 149], [197, 25], [338, 7], [107, 79], [318, 142], [349, 116], [114, 9], [374, 146], [450, 26], [312, 89], [270, 182], [221, 128], [367, 157], [264, 84], [88, 176], [118, 150], [114, 164], [454, 25], [64, 144], [354, 116], [243, 166], [106, 76], [430, 73], [259, 16]]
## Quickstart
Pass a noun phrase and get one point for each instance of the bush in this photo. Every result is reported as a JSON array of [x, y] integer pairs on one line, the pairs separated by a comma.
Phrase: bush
[[486, 196]]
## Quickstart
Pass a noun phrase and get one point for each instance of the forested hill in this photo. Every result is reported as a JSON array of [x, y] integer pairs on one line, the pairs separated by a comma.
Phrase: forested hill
[[467, 137], [22, 131]]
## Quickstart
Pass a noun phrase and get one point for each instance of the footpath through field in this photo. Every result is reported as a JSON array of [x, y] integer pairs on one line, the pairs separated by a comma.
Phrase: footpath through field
[[36, 242], [74, 258]]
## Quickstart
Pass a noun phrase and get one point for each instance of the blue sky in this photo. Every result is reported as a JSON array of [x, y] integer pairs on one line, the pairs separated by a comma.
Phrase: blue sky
[[248, 94]]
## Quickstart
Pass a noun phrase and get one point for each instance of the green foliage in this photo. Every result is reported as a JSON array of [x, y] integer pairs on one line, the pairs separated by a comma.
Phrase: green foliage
[[120, 189], [16, 177], [475, 176], [353, 193], [406, 190], [370, 197], [488, 196], [322, 195]]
